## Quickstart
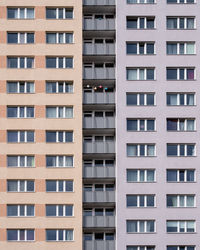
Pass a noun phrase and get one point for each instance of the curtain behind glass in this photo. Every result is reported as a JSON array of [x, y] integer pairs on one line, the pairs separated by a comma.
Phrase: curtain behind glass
[[131, 175], [132, 227], [131, 150], [131, 74], [68, 112], [171, 49], [190, 48], [51, 112]]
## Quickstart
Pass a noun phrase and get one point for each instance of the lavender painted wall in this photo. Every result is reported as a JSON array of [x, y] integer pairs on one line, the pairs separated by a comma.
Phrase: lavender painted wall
[[160, 112]]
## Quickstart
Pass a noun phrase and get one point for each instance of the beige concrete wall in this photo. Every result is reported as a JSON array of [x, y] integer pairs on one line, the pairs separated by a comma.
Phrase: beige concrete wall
[[39, 123]]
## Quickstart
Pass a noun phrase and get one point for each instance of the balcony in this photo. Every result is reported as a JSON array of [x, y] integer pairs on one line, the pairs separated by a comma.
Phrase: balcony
[[99, 22], [99, 145], [98, 120], [99, 171], [99, 2], [99, 96], [99, 71], [99, 221], [99, 47], [98, 196], [99, 245]]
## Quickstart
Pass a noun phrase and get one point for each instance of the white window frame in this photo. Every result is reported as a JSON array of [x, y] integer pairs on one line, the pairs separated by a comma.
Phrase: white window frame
[[185, 98], [64, 112], [145, 150], [18, 235], [25, 13], [25, 136], [145, 74], [185, 149], [63, 136], [145, 23], [145, 124], [185, 124], [64, 186], [64, 161], [18, 87], [185, 225], [185, 2], [65, 83], [64, 10], [25, 210], [145, 200], [25, 186], [145, 175], [25, 61], [181, 247], [64, 210], [145, 47], [64, 37], [185, 47], [178, 199], [18, 37], [185, 175], [145, 226], [145, 2], [185, 22], [146, 247], [63, 58], [19, 158], [185, 74], [64, 235], [25, 112]]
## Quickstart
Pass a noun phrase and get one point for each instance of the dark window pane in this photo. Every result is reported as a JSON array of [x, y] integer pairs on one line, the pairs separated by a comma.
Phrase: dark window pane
[[172, 124], [171, 74], [12, 136], [150, 48], [132, 125], [51, 235], [12, 210], [50, 136], [150, 74], [150, 99], [171, 150], [131, 48], [51, 13], [131, 99], [51, 62], [30, 37], [51, 186], [50, 210], [11, 234], [12, 38], [171, 175]]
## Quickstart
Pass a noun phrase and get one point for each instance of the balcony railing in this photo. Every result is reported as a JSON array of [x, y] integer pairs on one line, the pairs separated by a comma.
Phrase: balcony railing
[[99, 221], [99, 245], [99, 22], [99, 71], [91, 122], [99, 196], [99, 172], [104, 147], [90, 97], [99, 2], [90, 48]]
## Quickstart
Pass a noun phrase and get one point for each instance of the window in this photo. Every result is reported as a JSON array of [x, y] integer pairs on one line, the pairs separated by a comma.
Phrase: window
[[140, 150], [180, 149], [180, 200], [20, 37], [20, 112], [181, 2], [20, 186], [20, 13], [20, 234], [140, 175], [181, 226], [140, 99], [20, 62], [59, 13], [140, 226], [59, 136], [59, 234], [180, 74], [98, 237], [180, 175], [181, 48], [20, 87], [181, 248], [140, 200], [20, 136], [59, 112], [140, 124], [20, 210], [56, 161], [180, 23], [59, 186], [59, 62], [140, 48], [181, 124], [142, 2], [133, 22], [180, 99], [140, 248], [140, 74], [59, 37], [59, 210], [59, 87], [20, 161]]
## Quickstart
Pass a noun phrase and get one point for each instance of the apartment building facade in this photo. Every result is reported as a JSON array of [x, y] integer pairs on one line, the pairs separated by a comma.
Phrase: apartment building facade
[[157, 125], [41, 124]]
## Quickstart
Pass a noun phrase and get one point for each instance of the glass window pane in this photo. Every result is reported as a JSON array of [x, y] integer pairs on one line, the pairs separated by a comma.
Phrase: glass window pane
[[131, 48], [12, 210], [50, 210], [172, 150], [51, 62], [51, 186], [12, 234], [51, 13], [30, 234], [50, 235]]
